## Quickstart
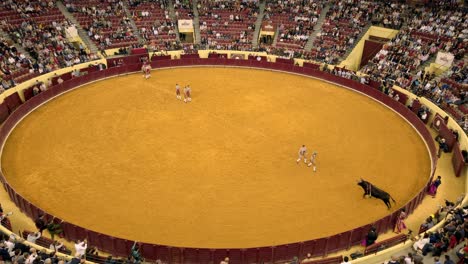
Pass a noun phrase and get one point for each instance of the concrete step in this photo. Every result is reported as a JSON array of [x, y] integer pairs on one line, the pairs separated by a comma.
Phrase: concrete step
[[258, 24], [317, 28], [196, 23], [173, 18], [356, 41], [20, 48], [275, 39], [135, 30], [81, 32], [426, 63]]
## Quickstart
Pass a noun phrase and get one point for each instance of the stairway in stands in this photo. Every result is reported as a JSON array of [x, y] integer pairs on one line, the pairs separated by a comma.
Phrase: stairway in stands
[[81, 32], [275, 39], [258, 24], [317, 28], [135, 30], [18, 47], [356, 41], [196, 23], [426, 63], [173, 18]]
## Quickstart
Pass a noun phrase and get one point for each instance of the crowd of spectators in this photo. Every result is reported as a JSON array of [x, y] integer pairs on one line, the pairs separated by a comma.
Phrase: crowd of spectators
[[295, 20], [48, 46], [428, 30], [13, 248], [12, 64], [105, 22], [154, 22], [344, 22], [446, 238], [391, 14], [183, 9], [227, 24], [39, 27]]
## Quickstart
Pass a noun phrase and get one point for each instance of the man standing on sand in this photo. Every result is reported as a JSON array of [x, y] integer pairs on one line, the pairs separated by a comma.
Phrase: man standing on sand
[[302, 154], [177, 91], [187, 94], [312, 160]]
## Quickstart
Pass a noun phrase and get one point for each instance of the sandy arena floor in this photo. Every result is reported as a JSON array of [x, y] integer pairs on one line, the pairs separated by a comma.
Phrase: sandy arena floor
[[124, 157]]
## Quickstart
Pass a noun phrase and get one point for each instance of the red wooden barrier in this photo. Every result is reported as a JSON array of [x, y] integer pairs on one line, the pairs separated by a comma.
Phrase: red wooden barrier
[[265, 254], [4, 112], [251, 255], [285, 61], [458, 162], [13, 101]]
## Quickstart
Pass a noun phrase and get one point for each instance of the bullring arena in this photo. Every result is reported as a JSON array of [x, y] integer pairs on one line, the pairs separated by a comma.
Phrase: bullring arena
[[219, 171], [114, 158]]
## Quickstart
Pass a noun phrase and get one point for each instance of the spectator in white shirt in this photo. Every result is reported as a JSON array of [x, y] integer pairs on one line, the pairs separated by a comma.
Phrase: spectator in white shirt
[[10, 245], [32, 256], [55, 246], [32, 237], [80, 247], [418, 245], [409, 258]]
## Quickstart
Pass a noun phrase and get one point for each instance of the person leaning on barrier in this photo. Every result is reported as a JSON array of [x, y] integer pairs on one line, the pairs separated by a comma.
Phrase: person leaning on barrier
[[32, 237], [442, 146], [54, 228], [56, 245], [419, 245], [371, 236], [80, 247], [135, 253]]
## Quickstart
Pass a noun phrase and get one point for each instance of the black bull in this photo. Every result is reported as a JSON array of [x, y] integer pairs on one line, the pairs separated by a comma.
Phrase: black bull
[[372, 190]]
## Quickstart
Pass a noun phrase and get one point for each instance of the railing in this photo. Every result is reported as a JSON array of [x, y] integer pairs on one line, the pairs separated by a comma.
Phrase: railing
[[16, 110]]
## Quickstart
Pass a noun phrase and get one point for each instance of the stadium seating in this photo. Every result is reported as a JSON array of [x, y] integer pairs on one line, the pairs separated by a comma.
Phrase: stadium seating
[[344, 22], [295, 21], [154, 23], [183, 9], [105, 22], [227, 24]]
